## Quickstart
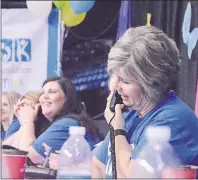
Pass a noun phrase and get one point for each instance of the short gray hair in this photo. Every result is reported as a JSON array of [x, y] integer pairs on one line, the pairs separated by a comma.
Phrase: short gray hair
[[150, 57]]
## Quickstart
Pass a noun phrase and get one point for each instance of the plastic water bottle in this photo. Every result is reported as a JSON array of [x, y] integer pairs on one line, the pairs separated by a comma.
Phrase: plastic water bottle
[[75, 156], [157, 158]]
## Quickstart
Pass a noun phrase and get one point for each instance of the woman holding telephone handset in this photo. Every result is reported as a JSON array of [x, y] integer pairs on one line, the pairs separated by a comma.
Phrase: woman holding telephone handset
[[144, 66]]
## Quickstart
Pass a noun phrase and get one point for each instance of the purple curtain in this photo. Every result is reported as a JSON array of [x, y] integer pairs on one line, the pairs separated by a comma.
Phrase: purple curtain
[[124, 21]]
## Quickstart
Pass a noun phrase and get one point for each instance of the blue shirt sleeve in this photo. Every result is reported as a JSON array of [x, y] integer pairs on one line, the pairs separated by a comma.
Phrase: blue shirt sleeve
[[14, 127], [101, 153], [54, 136], [3, 135]]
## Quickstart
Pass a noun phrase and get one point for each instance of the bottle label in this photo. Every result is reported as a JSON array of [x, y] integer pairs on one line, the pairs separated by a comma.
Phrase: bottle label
[[179, 173], [67, 176]]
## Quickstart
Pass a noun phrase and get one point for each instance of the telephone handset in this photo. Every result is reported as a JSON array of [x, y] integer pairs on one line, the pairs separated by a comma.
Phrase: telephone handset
[[116, 99]]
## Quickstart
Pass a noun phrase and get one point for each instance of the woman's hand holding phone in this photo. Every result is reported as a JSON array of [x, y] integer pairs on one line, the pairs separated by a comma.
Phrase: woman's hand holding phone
[[118, 121]]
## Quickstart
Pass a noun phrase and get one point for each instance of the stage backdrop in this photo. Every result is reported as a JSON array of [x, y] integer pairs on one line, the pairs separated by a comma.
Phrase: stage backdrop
[[179, 19], [30, 49]]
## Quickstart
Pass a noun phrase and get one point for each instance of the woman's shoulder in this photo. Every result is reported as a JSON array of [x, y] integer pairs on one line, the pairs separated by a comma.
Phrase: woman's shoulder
[[62, 124], [65, 121], [175, 113], [15, 121], [177, 108]]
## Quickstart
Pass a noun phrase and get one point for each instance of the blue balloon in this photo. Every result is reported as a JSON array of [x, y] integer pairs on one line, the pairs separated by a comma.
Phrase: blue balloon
[[81, 6]]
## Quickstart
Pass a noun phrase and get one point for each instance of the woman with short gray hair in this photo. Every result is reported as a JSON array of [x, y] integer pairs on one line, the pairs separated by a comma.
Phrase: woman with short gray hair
[[150, 57], [145, 65]]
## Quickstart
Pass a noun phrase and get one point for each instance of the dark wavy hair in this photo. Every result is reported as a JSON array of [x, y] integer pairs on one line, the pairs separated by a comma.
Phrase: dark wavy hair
[[41, 124], [73, 107]]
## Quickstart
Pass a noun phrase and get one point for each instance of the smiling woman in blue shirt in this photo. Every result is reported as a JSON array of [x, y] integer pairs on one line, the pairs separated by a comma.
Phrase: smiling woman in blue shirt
[[61, 106]]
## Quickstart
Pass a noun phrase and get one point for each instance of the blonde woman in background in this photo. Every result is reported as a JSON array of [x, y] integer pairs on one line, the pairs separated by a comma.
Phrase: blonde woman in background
[[31, 98], [8, 101]]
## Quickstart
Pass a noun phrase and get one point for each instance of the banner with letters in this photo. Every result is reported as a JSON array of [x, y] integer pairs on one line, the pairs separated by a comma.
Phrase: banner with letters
[[30, 49]]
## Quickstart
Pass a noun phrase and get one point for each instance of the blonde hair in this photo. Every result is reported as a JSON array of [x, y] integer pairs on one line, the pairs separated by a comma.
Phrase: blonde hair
[[32, 95], [12, 98]]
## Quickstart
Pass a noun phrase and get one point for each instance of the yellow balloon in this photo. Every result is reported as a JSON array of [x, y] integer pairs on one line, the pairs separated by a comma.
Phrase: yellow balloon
[[69, 17], [59, 4]]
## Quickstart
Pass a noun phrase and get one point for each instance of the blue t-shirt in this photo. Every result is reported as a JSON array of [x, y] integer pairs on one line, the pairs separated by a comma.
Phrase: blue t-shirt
[[57, 134], [172, 112], [14, 127], [3, 135], [58, 137]]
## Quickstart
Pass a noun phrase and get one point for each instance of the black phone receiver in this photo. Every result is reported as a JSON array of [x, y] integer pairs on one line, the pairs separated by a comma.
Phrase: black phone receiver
[[116, 99]]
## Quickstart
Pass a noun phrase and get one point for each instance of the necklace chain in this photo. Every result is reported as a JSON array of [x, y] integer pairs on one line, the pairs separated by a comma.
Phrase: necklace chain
[[143, 114]]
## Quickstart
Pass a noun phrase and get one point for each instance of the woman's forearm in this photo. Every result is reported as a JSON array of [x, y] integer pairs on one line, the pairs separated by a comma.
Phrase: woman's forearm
[[23, 138], [13, 140], [27, 135], [98, 169], [123, 154]]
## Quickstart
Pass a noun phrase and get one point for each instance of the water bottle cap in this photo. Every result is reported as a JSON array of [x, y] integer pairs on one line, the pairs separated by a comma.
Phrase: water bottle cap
[[162, 133], [78, 130]]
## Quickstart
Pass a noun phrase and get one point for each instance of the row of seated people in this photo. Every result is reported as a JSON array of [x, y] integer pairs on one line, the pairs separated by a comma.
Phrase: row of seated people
[[144, 67], [45, 117]]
